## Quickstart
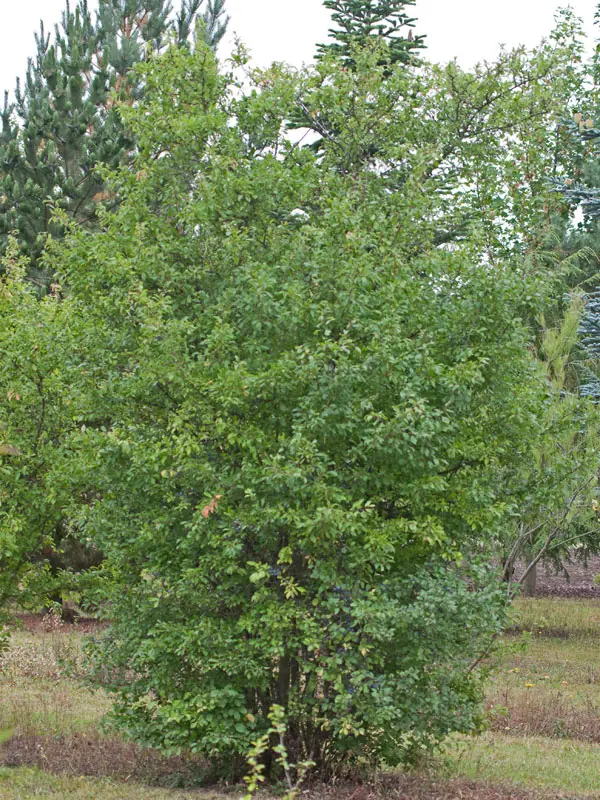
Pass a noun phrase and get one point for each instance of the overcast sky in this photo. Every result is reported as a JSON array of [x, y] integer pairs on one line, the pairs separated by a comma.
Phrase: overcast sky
[[286, 30]]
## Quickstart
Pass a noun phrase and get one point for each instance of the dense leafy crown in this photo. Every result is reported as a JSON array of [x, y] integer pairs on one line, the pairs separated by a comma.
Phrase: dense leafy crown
[[300, 412]]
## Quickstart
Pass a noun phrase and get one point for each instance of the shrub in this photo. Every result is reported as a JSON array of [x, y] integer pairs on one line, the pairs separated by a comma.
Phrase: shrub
[[299, 408]]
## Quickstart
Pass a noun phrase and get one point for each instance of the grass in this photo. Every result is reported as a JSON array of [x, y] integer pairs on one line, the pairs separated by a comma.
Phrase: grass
[[559, 765], [39, 691], [551, 689], [23, 784], [555, 616], [54, 722], [543, 739], [544, 703]]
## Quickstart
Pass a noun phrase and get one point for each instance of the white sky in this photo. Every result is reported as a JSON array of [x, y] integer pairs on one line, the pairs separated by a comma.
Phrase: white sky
[[287, 30]]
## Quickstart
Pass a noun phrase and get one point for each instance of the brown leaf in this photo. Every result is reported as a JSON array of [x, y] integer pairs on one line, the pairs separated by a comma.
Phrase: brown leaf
[[211, 507], [9, 450]]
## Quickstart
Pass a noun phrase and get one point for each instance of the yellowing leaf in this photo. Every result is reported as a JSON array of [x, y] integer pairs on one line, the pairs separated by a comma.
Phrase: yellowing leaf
[[9, 450]]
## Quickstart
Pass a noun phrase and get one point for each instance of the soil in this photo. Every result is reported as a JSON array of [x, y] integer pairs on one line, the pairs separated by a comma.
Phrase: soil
[[40, 623], [419, 788], [577, 582], [93, 756]]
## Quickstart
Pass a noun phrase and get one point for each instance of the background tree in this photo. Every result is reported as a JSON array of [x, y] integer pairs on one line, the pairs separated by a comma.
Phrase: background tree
[[481, 172], [556, 510], [583, 196], [360, 21], [37, 414], [65, 124]]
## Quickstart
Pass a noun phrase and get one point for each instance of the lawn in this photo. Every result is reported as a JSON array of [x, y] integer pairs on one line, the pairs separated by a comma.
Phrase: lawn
[[543, 741], [565, 766], [22, 784], [556, 616], [543, 701]]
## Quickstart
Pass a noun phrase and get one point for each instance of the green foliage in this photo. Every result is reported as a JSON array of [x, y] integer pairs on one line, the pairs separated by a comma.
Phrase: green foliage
[[302, 401], [294, 774], [488, 140], [362, 21], [64, 124], [35, 417], [557, 511], [301, 408]]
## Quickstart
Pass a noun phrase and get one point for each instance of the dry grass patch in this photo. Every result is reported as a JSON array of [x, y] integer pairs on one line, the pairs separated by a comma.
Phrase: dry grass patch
[[92, 755], [550, 689], [51, 708], [552, 714], [25, 784], [426, 787], [39, 690]]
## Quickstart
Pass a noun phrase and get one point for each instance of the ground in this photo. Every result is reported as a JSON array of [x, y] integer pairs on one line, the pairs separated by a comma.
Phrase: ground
[[578, 581], [543, 742]]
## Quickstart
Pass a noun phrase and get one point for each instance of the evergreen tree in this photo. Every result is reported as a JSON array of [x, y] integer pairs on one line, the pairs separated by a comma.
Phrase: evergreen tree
[[64, 124], [589, 332], [581, 190], [585, 195], [359, 21]]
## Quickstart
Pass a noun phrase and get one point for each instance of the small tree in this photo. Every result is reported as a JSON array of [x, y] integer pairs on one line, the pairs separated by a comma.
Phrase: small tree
[[302, 412]]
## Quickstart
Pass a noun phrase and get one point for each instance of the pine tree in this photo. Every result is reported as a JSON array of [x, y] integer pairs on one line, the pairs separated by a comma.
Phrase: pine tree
[[359, 21], [64, 124], [65, 128]]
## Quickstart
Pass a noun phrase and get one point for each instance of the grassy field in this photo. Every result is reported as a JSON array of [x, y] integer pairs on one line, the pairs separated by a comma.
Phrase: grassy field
[[559, 617], [543, 702], [22, 784], [543, 741]]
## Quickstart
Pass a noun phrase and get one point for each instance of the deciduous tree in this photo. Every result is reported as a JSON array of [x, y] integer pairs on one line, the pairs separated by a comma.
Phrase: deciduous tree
[[312, 405]]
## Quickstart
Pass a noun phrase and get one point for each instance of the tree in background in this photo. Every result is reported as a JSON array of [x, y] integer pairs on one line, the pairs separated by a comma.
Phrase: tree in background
[[580, 187], [361, 21], [482, 172], [583, 193], [63, 124], [557, 490], [37, 414]]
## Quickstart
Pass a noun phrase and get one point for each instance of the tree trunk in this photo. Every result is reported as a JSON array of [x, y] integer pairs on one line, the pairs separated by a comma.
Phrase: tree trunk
[[530, 582]]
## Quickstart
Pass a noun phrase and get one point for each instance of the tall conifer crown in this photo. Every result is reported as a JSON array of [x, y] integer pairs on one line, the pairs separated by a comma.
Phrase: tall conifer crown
[[358, 21]]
